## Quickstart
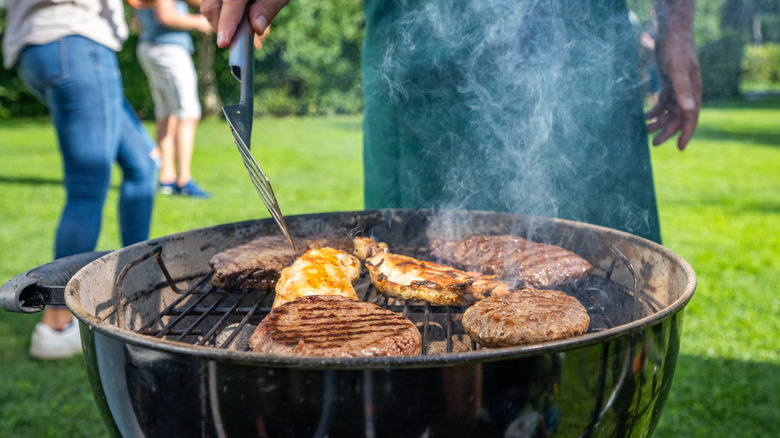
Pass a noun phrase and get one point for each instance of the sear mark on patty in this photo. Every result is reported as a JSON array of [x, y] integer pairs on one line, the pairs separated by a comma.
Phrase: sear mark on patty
[[335, 326]]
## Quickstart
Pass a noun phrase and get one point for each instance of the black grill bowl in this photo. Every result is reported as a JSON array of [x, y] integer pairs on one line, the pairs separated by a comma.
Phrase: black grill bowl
[[609, 382]]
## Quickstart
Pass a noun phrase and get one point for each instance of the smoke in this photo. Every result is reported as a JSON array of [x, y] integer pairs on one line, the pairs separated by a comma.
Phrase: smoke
[[513, 105]]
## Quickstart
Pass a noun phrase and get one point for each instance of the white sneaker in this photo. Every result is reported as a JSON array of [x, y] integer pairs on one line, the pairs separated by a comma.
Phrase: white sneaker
[[48, 343]]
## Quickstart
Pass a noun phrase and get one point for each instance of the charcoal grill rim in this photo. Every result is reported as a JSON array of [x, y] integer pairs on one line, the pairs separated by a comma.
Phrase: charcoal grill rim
[[419, 361]]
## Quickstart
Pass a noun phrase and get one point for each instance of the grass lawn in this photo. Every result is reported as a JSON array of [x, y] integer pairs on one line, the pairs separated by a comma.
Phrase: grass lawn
[[720, 210]]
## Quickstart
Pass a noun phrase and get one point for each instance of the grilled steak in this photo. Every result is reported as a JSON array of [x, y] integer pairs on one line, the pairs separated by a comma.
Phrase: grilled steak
[[335, 326], [258, 264], [323, 271], [525, 317], [517, 261], [411, 279]]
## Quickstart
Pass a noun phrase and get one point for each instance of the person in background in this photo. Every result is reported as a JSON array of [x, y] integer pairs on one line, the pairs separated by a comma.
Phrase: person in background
[[531, 109], [165, 53], [65, 53]]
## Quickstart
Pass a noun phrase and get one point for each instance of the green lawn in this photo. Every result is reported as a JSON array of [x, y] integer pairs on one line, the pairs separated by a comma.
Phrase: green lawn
[[720, 210]]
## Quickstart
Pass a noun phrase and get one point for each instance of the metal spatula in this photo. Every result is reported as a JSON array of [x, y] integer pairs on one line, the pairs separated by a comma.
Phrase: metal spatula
[[239, 117]]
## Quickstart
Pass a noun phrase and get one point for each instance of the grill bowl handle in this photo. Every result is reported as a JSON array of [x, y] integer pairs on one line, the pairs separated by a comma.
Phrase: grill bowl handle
[[31, 291]]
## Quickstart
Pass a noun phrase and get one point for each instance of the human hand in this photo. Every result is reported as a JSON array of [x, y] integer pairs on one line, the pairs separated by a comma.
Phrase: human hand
[[679, 101], [203, 26], [225, 15]]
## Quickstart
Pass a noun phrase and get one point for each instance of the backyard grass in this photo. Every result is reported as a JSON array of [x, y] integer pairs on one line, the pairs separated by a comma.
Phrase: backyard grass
[[720, 210]]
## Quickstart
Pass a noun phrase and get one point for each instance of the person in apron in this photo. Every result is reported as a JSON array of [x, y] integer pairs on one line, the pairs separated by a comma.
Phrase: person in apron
[[534, 109], [523, 106]]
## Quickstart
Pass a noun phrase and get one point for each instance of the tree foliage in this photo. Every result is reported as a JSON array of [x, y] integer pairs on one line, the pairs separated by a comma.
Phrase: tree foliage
[[762, 64], [722, 28], [310, 64]]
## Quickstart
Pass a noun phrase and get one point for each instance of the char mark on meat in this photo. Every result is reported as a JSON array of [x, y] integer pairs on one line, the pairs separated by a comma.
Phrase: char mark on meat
[[258, 264], [517, 261], [335, 326], [408, 278], [321, 271]]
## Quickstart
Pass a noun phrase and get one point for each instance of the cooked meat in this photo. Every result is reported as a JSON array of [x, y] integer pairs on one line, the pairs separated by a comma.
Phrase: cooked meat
[[257, 264], [525, 317], [411, 279], [323, 271], [335, 326], [366, 247], [515, 260]]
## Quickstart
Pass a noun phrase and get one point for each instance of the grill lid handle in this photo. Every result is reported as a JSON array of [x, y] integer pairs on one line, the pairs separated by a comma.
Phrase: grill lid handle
[[32, 290]]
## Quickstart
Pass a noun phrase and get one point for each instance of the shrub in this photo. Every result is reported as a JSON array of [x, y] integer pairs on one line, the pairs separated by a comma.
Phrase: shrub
[[720, 67], [761, 64], [310, 65]]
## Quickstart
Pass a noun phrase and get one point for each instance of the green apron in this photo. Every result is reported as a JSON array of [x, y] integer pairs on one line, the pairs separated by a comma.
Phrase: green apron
[[530, 107]]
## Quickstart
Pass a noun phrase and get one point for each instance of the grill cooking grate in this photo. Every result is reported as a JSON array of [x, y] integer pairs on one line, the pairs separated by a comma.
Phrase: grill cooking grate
[[203, 314]]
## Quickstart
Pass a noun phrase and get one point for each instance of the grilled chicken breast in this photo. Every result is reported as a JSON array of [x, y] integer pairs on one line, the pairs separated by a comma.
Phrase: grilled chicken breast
[[258, 264], [335, 326], [366, 247], [525, 317], [411, 279], [515, 260], [323, 271]]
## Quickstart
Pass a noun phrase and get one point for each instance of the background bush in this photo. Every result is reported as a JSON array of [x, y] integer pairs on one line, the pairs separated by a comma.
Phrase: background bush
[[309, 65], [720, 73], [761, 64]]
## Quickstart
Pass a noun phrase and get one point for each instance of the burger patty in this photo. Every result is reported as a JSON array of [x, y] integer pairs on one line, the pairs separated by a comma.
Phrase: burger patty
[[517, 261], [258, 264], [335, 326], [525, 317], [411, 279]]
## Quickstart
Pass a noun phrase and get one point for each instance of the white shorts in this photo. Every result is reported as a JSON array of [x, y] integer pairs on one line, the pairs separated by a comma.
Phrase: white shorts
[[172, 79]]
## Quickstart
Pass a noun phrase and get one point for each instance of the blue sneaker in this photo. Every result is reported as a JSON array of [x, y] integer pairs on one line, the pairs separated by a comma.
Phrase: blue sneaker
[[168, 189], [191, 189]]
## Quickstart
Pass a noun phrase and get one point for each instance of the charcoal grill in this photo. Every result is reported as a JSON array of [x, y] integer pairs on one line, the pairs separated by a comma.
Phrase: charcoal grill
[[167, 355]]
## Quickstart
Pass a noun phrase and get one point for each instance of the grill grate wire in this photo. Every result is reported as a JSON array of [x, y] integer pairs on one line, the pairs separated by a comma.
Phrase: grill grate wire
[[202, 311]]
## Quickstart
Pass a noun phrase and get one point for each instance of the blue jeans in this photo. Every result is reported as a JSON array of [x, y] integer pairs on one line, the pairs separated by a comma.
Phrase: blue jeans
[[80, 83]]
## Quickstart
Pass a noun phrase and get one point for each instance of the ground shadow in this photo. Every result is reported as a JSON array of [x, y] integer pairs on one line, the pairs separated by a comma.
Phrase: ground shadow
[[750, 101], [717, 134], [30, 180], [746, 208]]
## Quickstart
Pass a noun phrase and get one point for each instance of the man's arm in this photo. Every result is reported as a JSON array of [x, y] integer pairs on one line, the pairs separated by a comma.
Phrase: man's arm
[[679, 101], [167, 15]]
